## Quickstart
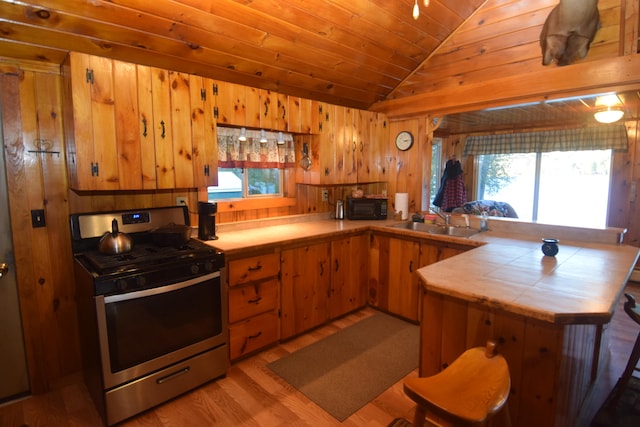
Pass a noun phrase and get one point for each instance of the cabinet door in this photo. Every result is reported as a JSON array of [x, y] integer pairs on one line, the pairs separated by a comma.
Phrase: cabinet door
[[230, 104], [268, 109], [349, 274], [91, 127], [181, 126], [305, 282], [299, 114], [162, 128], [203, 132], [393, 286], [146, 128], [125, 99]]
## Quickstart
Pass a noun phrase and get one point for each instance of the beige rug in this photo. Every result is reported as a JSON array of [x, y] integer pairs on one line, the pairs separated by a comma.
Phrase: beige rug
[[348, 369]]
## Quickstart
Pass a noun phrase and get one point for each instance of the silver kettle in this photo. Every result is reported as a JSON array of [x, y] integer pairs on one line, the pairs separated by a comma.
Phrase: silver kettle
[[340, 209], [115, 242]]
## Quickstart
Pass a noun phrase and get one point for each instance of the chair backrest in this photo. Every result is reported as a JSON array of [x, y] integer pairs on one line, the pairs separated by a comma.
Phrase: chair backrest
[[631, 309]]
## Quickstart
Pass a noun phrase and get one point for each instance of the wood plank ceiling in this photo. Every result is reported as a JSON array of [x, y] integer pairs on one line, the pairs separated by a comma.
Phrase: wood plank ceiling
[[346, 52]]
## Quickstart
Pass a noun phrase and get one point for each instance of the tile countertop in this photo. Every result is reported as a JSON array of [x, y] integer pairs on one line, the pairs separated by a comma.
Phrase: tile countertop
[[580, 285], [506, 270]]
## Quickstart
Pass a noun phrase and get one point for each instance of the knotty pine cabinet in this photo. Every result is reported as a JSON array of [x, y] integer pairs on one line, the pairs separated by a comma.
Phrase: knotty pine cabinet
[[253, 303], [305, 279], [393, 284], [139, 133], [349, 274], [239, 105], [321, 282], [347, 146]]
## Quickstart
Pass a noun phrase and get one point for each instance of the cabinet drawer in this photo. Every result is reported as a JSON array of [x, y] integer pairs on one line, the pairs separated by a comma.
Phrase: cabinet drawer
[[249, 300], [253, 334], [248, 269]]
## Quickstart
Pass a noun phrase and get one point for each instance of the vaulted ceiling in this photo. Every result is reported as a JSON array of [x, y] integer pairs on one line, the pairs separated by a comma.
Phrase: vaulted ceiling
[[346, 52]]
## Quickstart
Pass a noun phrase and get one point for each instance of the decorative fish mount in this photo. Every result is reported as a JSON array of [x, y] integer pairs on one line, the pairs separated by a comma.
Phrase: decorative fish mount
[[569, 30]]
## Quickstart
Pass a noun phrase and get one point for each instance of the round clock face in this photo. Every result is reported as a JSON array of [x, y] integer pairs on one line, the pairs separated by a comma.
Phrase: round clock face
[[404, 140]]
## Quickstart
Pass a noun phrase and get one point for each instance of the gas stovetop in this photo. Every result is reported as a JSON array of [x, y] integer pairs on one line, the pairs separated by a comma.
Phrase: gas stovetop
[[145, 255], [147, 265]]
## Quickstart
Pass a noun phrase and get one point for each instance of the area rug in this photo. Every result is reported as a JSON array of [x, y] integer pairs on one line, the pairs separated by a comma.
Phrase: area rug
[[626, 413], [345, 371]]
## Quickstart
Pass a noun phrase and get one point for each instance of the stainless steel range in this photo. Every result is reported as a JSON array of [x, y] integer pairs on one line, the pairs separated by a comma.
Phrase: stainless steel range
[[153, 319]]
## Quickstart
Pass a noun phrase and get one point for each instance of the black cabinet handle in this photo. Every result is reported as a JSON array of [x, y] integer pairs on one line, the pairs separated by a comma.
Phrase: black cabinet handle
[[255, 300], [411, 266], [256, 268], [144, 127], [163, 129]]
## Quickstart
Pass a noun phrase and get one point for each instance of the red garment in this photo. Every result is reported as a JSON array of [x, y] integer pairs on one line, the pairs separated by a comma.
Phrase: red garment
[[454, 194]]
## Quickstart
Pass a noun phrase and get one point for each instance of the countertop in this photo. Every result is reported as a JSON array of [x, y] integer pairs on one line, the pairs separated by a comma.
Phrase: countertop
[[505, 270]]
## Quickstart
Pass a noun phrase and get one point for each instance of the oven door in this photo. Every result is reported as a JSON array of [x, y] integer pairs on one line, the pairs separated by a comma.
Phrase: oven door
[[141, 332]]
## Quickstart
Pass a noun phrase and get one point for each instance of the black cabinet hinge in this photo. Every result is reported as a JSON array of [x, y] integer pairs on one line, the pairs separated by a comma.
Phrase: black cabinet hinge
[[95, 171], [215, 112], [215, 89], [89, 75], [203, 94]]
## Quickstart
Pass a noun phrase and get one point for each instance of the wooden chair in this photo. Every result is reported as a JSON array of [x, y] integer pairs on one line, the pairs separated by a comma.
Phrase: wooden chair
[[634, 313], [469, 392]]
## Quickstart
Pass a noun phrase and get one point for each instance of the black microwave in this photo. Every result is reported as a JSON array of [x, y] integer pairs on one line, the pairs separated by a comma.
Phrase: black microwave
[[364, 208]]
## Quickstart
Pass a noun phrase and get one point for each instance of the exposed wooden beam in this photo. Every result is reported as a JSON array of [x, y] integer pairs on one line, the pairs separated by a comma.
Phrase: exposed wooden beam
[[612, 74]]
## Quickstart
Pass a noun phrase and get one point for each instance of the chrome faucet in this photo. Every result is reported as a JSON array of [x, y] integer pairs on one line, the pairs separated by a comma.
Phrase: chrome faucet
[[445, 217]]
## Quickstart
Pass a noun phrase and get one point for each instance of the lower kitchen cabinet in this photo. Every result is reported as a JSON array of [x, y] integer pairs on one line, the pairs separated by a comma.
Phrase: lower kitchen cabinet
[[393, 286], [349, 274], [305, 277], [253, 303]]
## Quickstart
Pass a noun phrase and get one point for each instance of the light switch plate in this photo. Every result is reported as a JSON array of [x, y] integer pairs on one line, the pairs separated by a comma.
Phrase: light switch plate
[[37, 218]]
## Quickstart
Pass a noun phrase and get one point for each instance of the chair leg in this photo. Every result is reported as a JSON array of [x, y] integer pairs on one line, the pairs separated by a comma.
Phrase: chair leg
[[618, 389], [419, 417]]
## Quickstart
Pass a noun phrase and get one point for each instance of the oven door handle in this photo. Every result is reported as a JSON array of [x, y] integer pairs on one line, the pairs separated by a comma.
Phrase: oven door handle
[[160, 290]]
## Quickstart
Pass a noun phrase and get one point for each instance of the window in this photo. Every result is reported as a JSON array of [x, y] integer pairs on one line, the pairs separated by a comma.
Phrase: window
[[558, 187], [436, 168], [236, 183]]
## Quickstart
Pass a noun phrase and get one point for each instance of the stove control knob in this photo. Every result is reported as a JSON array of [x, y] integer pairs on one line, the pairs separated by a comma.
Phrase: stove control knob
[[195, 268], [141, 281], [122, 284], [208, 266]]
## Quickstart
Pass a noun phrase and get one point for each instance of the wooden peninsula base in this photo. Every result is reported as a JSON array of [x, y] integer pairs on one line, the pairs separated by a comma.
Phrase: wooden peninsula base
[[552, 366]]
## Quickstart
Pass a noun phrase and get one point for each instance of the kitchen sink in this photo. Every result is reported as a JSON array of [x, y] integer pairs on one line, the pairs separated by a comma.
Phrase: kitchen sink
[[446, 230]]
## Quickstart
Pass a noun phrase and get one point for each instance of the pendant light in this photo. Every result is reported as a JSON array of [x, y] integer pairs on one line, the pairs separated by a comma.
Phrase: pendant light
[[416, 9], [243, 135], [263, 136]]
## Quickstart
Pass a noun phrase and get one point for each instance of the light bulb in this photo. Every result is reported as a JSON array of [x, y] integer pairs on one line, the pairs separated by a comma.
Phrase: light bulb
[[263, 136], [426, 3], [243, 135], [416, 10]]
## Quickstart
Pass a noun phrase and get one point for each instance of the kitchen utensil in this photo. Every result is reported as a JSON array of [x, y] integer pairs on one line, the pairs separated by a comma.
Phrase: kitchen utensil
[[175, 235], [115, 242]]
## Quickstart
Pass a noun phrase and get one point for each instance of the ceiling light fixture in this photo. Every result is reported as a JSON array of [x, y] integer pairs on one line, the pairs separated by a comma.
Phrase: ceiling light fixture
[[610, 115], [243, 135], [263, 136], [416, 9], [613, 111]]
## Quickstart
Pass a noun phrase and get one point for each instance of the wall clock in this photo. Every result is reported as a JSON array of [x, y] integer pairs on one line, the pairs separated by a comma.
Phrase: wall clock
[[404, 140]]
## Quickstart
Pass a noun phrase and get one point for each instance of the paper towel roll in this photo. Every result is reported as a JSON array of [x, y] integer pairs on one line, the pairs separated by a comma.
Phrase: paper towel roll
[[402, 204]]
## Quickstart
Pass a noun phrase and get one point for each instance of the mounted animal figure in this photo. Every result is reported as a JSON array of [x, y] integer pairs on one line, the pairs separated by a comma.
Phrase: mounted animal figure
[[569, 30]]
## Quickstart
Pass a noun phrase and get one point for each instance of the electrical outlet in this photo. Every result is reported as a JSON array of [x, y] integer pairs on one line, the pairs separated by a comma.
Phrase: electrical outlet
[[325, 195], [181, 201]]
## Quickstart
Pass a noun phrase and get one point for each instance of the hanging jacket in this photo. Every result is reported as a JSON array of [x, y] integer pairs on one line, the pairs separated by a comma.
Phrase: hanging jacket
[[452, 192]]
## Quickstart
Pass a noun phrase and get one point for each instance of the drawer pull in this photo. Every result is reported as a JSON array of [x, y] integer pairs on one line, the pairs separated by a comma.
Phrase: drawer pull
[[246, 341], [256, 268], [255, 300], [173, 375]]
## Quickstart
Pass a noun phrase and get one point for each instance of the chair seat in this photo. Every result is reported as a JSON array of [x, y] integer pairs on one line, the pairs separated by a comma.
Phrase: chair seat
[[473, 388]]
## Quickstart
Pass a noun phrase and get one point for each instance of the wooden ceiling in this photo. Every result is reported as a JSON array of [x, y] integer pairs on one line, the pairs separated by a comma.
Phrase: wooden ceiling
[[346, 52]]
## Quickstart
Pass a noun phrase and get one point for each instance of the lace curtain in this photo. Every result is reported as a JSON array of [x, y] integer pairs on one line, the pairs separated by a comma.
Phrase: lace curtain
[[233, 153]]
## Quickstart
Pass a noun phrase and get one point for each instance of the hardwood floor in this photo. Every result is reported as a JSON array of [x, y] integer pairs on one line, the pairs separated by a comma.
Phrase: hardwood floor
[[251, 395]]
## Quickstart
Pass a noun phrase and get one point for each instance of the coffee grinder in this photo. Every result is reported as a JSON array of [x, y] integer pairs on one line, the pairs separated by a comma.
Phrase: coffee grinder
[[207, 220]]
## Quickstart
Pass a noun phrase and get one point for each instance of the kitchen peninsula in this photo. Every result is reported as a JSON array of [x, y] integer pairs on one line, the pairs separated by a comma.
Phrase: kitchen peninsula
[[549, 315]]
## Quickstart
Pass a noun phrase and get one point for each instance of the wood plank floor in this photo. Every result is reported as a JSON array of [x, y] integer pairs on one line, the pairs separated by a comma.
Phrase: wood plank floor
[[251, 395]]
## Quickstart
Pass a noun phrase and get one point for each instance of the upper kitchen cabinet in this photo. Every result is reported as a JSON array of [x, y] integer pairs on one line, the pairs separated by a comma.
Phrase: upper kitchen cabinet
[[346, 146], [300, 112], [230, 104], [203, 132], [97, 132]]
